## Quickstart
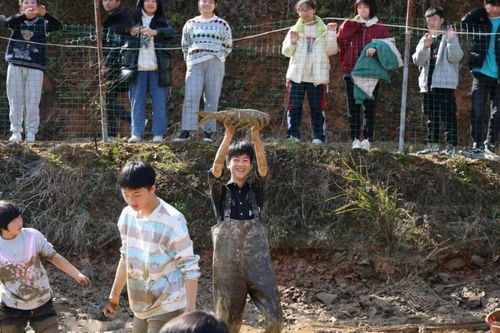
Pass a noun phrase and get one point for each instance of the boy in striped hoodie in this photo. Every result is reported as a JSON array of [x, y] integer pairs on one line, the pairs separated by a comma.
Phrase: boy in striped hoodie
[[157, 262]]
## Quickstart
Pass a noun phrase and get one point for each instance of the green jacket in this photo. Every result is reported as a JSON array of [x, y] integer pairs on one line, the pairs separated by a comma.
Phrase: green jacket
[[377, 67]]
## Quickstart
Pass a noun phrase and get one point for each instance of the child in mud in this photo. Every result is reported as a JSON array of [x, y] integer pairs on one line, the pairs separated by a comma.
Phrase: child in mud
[[195, 322], [241, 260], [157, 262], [437, 55], [25, 293]]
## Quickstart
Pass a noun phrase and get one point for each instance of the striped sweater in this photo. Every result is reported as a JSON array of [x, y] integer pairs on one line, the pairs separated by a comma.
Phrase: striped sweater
[[158, 254], [203, 39]]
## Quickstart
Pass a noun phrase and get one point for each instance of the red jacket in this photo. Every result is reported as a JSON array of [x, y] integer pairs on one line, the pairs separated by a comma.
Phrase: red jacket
[[352, 38]]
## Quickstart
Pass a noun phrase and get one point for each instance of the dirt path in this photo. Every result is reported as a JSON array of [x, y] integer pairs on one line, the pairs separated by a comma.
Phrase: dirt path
[[320, 293]]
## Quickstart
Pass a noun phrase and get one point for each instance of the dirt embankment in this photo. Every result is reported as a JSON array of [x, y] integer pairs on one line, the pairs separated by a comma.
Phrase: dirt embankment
[[419, 247]]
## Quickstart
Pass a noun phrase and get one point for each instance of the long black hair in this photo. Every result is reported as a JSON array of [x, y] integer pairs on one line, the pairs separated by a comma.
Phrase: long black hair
[[160, 12]]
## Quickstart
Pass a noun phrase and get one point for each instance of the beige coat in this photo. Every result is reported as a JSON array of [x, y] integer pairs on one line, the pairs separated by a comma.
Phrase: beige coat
[[324, 46]]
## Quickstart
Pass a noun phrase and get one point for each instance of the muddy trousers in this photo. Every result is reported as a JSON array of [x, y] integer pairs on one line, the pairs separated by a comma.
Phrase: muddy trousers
[[42, 319], [242, 266], [153, 324]]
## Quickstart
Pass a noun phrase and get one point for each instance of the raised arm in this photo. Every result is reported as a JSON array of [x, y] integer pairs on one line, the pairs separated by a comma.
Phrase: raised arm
[[346, 32], [260, 152], [423, 51], [220, 157], [53, 22], [12, 21]]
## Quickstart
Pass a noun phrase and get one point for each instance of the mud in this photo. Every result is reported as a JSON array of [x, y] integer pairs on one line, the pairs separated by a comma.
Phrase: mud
[[321, 292]]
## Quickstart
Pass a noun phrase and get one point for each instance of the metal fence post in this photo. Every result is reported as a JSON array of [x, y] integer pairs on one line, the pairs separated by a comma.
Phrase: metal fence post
[[404, 94], [100, 57]]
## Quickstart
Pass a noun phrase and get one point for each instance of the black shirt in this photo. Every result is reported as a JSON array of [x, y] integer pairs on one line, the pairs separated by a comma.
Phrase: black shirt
[[436, 41], [241, 209]]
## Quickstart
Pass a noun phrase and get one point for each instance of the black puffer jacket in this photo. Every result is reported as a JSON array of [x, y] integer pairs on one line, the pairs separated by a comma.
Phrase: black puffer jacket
[[116, 33], [477, 21], [130, 52]]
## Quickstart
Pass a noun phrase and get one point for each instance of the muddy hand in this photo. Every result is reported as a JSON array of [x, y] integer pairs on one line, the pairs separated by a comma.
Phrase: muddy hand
[[230, 128], [111, 309], [84, 281]]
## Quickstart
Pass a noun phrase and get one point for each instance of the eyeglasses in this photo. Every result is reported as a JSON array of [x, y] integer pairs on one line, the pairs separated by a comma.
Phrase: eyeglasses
[[303, 10]]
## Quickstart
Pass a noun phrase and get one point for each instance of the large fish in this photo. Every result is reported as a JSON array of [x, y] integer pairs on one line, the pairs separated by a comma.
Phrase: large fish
[[238, 118]]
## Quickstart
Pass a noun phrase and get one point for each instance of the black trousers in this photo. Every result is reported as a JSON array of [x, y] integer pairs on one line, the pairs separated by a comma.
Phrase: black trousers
[[440, 107], [354, 112], [485, 90], [114, 110]]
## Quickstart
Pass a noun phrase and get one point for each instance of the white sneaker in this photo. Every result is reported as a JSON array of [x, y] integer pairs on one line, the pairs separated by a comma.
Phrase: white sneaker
[[157, 138], [183, 136], [16, 137], [291, 138], [356, 144], [135, 139], [430, 149], [207, 137], [366, 145], [30, 137], [317, 142], [489, 153]]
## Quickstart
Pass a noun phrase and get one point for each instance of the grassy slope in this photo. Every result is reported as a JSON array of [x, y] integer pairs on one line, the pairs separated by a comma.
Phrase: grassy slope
[[397, 202]]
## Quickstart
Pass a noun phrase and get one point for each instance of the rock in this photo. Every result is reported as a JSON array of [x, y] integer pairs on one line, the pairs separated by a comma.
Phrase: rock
[[478, 261], [326, 298], [445, 277], [445, 309], [457, 263], [364, 271], [474, 302]]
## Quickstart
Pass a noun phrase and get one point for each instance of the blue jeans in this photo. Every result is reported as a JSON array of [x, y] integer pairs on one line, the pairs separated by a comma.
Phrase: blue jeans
[[148, 80], [485, 90]]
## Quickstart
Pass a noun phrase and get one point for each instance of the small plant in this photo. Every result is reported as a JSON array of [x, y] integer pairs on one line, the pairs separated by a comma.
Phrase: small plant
[[370, 201]]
